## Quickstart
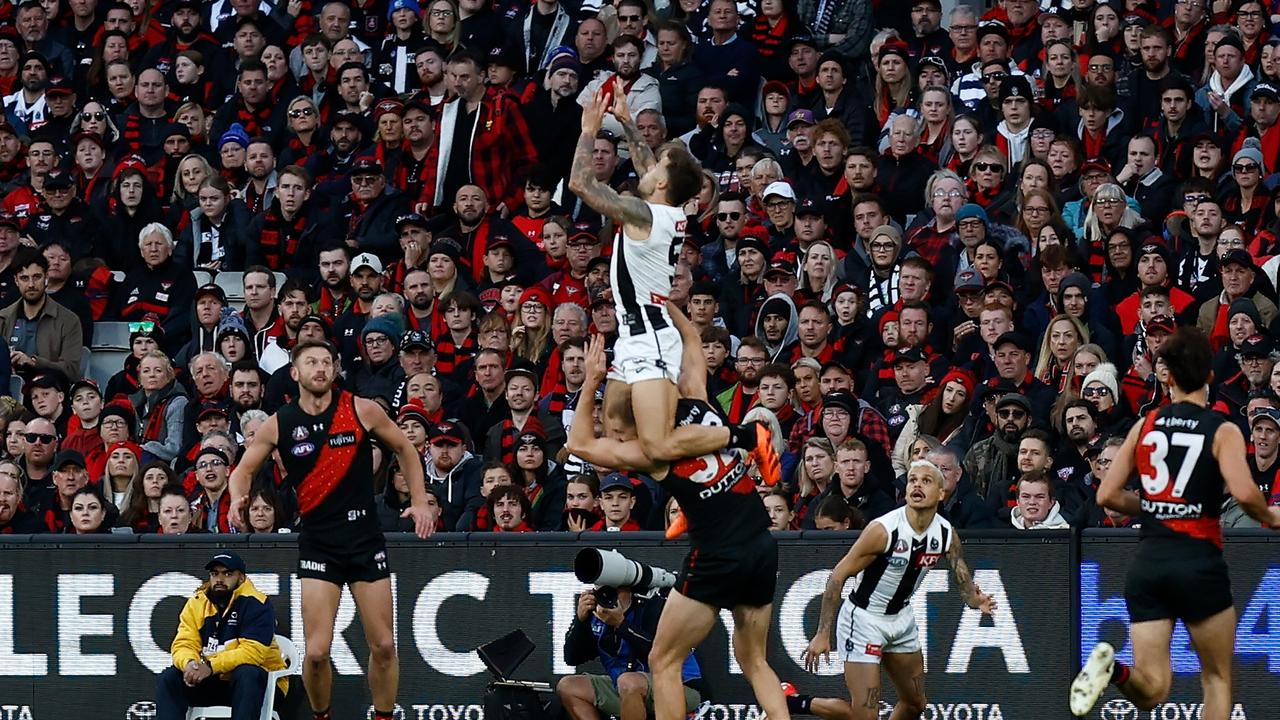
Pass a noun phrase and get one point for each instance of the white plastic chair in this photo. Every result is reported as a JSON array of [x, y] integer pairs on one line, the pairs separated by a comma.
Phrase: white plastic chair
[[292, 666], [203, 277], [232, 283], [105, 362]]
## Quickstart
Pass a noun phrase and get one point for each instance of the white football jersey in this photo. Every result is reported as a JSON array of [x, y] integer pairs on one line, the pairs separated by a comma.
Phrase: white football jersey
[[641, 272], [886, 586]]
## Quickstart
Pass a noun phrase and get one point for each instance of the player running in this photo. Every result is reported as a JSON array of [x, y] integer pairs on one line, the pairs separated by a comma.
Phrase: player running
[[642, 266], [733, 563], [325, 441], [876, 624], [1184, 455]]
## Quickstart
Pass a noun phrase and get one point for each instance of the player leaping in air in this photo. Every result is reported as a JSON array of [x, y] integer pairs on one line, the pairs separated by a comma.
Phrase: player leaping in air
[[876, 625], [733, 561], [1186, 457], [648, 351]]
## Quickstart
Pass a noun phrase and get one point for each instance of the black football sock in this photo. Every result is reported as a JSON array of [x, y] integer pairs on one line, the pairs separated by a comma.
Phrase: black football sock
[[1119, 674], [799, 704], [383, 714], [321, 714], [743, 437]]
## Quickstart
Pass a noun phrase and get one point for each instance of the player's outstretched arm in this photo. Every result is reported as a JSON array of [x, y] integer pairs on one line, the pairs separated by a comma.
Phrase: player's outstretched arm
[[1229, 449], [693, 364], [641, 156], [373, 417], [872, 541], [633, 212], [582, 440], [962, 574], [1111, 492], [264, 441]]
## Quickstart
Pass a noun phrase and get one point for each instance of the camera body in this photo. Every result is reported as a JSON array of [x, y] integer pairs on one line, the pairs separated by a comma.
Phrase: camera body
[[606, 596]]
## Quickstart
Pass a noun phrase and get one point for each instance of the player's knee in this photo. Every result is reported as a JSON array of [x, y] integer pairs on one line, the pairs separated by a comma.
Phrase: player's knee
[[914, 705], [317, 655], [383, 650], [574, 687], [632, 684]]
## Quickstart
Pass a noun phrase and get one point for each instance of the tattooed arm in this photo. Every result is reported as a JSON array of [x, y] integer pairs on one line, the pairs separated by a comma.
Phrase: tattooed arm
[[962, 574], [870, 543], [633, 212]]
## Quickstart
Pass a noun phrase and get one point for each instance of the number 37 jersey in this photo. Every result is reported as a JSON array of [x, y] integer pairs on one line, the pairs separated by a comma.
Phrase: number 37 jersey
[[1181, 484]]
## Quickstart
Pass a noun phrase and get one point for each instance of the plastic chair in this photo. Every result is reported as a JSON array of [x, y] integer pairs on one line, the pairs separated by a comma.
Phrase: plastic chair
[[105, 362], [113, 335], [292, 666], [203, 277], [232, 283]]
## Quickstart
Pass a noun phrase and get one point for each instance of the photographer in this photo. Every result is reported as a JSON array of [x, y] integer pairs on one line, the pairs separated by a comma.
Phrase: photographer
[[616, 626]]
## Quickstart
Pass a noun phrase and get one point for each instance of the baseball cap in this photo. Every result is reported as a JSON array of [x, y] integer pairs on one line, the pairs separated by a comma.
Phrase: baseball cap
[[368, 260], [911, 354], [226, 559], [780, 265], [211, 289], [1265, 89], [445, 432], [839, 399], [615, 481], [499, 239], [522, 368], [967, 280], [1014, 398], [1256, 345], [8, 219], [1017, 339], [413, 219], [775, 86], [85, 383], [212, 410], [781, 189], [366, 166], [810, 208], [1097, 163], [59, 86], [1265, 413], [800, 116], [1162, 323], [61, 181], [416, 339], [68, 457], [1237, 256]]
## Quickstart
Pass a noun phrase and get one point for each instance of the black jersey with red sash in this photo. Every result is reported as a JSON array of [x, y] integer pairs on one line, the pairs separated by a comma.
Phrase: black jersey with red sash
[[1181, 484], [713, 487], [329, 460]]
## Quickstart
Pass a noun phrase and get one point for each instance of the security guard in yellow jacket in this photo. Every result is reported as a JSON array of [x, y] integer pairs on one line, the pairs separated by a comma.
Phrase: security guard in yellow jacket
[[224, 648]]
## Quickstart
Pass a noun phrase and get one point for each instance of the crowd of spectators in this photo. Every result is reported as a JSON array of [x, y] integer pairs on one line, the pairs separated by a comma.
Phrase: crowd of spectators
[[958, 237]]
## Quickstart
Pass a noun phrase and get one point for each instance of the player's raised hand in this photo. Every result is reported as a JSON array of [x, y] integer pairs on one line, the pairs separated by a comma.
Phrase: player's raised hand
[[621, 110], [597, 363], [984, 602], [424, 518], [237, 515], [593, 114], [819, 650]]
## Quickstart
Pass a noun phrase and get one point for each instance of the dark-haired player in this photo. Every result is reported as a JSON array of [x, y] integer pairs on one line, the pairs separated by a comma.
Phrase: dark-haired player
[[1184, 455], [325, 440], [647, 354], [732, 565]]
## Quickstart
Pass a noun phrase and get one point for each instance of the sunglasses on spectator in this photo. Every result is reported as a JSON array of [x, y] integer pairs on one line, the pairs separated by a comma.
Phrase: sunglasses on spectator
[[995, 77], [1108, 201], [1245, 167], [1198, 198], [728, 216], [144, 326], [988, 167], [42, 438], [94, 116], [940, 194], [630, 18], [1011, 414], [302, 112], [1096, 391]]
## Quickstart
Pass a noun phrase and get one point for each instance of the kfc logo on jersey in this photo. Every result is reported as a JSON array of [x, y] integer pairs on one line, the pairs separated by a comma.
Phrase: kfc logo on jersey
[[928, 560]]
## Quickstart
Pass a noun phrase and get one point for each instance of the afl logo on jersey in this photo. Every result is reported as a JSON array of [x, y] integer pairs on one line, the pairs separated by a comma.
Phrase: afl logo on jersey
[[303, 449], [342, 439], [300, 433]]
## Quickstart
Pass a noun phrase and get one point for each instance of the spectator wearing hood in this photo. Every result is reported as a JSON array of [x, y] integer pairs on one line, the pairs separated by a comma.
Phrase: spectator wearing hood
[[778, 322], [1037, 508], [1225, 99], [370, 211], [453, 474]]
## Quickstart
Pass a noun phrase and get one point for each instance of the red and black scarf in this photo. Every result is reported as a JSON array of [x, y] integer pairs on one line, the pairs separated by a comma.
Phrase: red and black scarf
[[740, 403], [280, 238], [510, 434], [449, 355]]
